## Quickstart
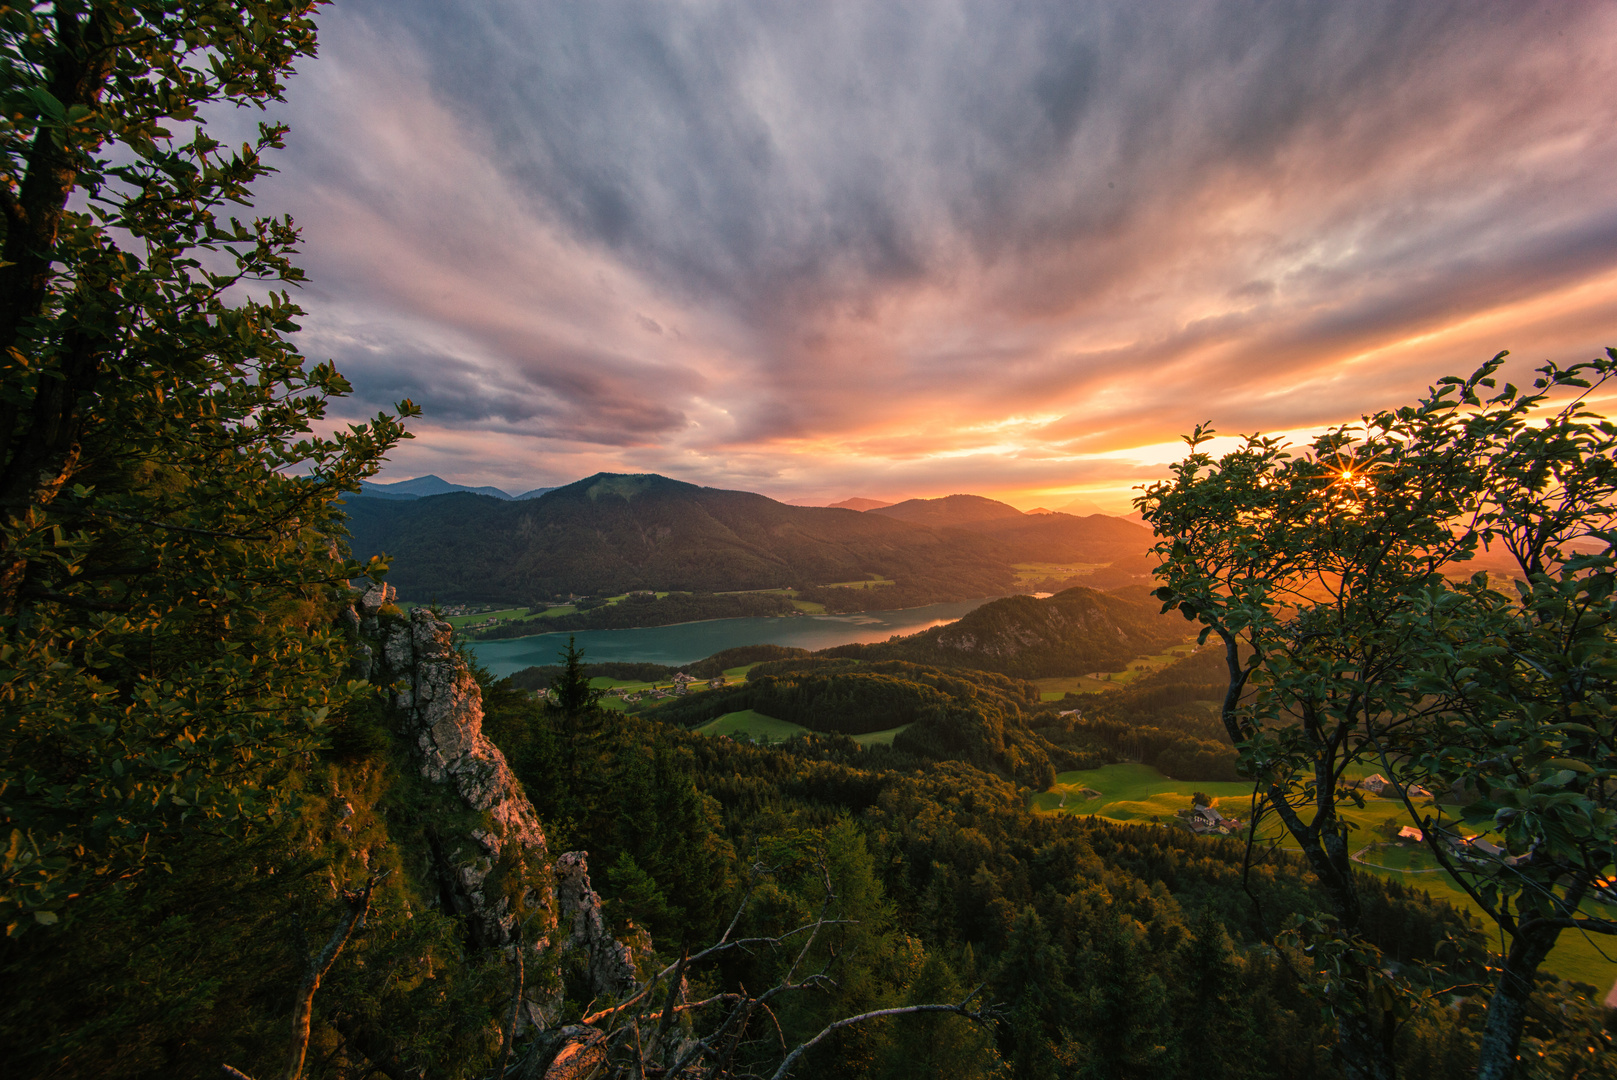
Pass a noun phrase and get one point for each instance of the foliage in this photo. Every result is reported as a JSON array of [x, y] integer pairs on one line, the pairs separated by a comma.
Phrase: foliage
[[1327, 577], [167, 557], [198, 965]]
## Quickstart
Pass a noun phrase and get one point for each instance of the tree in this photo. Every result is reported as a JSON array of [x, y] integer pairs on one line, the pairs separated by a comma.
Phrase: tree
[[571, 690], [1351, 636], [169, 556]]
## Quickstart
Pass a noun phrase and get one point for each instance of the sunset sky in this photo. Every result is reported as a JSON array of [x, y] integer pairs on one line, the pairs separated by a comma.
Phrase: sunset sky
[[888, 249]]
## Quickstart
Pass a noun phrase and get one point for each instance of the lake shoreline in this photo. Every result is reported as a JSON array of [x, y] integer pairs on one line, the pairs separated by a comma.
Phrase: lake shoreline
[[677, 644], [699, 622]]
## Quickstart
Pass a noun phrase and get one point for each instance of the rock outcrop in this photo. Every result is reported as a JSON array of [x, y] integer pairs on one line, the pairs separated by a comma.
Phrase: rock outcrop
[[493, 859], [607, 964]]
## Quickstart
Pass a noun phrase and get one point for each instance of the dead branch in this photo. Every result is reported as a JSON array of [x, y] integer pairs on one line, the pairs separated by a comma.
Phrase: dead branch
[[303, 1003], [511, 1016], [902, 1010]]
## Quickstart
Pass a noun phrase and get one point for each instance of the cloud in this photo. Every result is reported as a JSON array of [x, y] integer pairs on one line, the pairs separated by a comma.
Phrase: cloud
[[811, 248]]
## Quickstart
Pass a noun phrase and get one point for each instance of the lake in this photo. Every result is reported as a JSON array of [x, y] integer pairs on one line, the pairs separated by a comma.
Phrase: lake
[[685, 642]]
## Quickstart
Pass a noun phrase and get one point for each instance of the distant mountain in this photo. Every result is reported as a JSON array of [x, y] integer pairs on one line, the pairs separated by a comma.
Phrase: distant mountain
[[612, 533], [424, 486], [858, 504], [1031, 537], [953, 511], [1080, 508], [1071, 633], [421, 487]]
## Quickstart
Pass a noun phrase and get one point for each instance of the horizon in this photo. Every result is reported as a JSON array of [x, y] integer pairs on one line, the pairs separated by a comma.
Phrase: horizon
[[874, 252]]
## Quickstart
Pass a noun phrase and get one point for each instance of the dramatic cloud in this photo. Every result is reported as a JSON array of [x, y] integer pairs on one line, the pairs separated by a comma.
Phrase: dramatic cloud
[[894, 249]]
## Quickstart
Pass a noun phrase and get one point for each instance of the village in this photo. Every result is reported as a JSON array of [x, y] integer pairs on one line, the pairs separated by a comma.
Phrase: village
[[680, 685]]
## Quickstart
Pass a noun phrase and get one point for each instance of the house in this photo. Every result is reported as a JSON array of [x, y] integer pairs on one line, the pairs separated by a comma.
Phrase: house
[[716, 683], [1380, 786], [1409, 832], [1206, 821]]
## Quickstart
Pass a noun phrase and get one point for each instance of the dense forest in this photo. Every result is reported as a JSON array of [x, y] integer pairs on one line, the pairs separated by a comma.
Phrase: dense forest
[[1111, 950], [1074, 632]]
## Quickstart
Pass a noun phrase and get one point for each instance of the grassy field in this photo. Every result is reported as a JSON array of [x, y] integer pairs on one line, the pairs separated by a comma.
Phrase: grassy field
[[1029, 572], [1055, 689], [1135, 793], [760, 727], [879, 738], [1139, 793], [869, 583]]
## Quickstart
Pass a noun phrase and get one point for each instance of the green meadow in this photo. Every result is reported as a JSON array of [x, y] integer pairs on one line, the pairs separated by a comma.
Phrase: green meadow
[[868, 583], [755, 724], [879, 738], [1029, 572], [1054, 689]]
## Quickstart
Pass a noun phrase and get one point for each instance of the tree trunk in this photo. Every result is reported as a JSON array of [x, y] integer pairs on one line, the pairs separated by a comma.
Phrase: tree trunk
[[38, 454], [1507, 1008]]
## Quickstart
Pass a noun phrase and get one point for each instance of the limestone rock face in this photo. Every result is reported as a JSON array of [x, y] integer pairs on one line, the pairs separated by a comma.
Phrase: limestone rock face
[[500, 865], [609, 964]]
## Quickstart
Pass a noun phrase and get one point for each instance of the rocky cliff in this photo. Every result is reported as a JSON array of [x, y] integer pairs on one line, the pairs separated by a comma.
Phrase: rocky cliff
[[492, 862]]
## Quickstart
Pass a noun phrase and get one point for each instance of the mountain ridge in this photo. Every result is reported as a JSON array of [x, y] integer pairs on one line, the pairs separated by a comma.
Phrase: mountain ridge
[[431, 484], [617, 532]]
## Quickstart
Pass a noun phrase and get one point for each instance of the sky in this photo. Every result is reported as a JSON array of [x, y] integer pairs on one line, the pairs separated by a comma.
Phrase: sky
[[901, 249]]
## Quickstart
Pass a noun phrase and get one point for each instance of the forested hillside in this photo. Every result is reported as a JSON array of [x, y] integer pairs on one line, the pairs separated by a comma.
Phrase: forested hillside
[[1075, 631], [1108, 950], [612, 533]]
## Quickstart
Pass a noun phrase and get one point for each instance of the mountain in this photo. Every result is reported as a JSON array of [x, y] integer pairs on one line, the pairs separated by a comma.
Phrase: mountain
[[1080, 508], [424, 486], [614, 533], [1071, 633], [1035, 537], [859, 504], [956, 511], [421, 487]]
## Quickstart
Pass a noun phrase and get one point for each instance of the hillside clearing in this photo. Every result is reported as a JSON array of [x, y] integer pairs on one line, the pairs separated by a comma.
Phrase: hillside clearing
[[756, 724]]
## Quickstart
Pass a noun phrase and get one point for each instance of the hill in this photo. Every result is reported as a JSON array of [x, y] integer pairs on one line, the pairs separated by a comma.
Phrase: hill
[[857, 503], [1073, 632], [613, 533], [953, 511], [1034, 537]]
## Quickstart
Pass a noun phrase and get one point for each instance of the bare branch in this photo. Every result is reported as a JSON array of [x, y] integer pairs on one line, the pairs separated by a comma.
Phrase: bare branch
[[902, 1010], [511, 1017], [303, 1003]]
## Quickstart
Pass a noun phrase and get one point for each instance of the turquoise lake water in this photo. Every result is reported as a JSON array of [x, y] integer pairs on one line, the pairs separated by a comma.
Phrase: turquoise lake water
[[686, 642]]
